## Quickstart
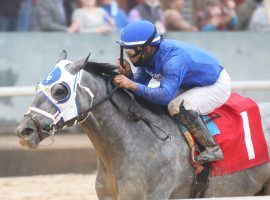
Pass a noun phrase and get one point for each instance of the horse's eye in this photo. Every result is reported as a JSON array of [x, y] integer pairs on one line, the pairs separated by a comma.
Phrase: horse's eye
[[60, 92]]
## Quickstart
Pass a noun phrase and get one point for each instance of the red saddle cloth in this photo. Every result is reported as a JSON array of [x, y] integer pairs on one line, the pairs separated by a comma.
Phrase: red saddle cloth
[[241, 136]]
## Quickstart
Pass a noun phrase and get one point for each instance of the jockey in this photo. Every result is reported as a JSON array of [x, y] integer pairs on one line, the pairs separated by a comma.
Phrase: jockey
[[192, 81]]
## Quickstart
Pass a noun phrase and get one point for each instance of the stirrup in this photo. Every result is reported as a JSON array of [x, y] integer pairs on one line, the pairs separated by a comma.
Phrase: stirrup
[[210, 154]]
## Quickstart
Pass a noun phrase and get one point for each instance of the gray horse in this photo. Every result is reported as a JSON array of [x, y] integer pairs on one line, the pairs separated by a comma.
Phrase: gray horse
[[132, 162]]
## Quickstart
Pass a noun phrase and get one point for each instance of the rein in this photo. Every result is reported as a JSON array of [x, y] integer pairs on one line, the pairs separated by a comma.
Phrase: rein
[[137, 117], [37, 124], [132, 115], [84, 115]]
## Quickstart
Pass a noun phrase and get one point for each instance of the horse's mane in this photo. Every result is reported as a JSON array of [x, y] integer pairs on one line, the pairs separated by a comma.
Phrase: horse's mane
[[108, 69], [100, 68]]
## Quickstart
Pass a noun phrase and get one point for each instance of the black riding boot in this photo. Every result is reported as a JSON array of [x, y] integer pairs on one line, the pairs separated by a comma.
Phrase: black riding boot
[[192, 121]]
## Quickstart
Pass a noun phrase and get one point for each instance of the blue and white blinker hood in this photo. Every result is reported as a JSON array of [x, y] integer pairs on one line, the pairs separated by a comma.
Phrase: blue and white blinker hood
[[66, 108]]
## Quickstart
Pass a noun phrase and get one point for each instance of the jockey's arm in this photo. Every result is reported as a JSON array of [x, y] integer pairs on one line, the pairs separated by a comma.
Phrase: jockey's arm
[[141, 76], [169, 85], [130, 81]]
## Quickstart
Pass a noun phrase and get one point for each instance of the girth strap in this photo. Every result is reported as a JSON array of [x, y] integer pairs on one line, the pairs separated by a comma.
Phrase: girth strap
[[200, 182]]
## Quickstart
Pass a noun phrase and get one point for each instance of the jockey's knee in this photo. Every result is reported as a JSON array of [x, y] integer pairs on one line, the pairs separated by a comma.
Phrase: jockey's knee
[[173, 106]]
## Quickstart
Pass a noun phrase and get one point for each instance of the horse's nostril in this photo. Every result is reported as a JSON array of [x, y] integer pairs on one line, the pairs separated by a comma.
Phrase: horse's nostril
[[27, 131]]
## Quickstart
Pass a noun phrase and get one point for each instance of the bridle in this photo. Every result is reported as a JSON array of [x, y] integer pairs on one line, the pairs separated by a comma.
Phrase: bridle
[[81, 117], [36, 122], [56, 125]]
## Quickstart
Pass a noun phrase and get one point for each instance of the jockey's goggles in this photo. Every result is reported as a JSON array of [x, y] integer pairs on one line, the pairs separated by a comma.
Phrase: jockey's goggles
[[133, 52]]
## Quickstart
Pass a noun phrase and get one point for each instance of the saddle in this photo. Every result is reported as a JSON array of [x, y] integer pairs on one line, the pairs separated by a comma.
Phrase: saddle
[[237, 128]]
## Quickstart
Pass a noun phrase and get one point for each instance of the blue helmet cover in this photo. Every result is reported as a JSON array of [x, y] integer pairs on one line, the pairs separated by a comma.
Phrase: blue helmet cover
[[138, 32]]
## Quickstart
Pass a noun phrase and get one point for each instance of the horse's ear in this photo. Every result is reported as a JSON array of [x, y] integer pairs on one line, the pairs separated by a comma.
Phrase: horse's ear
[[75, 67], [63, 55]]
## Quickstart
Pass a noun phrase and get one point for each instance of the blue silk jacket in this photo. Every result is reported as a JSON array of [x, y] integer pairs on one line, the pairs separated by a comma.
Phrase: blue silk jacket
[[176, 65]]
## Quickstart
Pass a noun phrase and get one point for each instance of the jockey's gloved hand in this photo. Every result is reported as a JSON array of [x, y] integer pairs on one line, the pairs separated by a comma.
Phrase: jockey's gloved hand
[[124, 82], [124, 69]]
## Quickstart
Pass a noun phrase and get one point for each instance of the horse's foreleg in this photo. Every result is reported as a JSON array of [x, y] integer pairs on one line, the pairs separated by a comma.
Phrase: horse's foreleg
[[130, 189], [103, 189]]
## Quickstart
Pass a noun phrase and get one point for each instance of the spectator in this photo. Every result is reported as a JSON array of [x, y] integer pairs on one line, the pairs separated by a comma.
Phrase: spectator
[[174, 21], [230, 19], [52, 15], [209, 18], [218, 16], [130, 4], [238, 2], [138, 1], [260, 20], [9, 10], [91, 19], [119, 16], [151, 11], [244, 12], [25, 15]]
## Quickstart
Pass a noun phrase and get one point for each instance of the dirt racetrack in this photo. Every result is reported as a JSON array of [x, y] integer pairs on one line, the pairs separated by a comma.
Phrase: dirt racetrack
[[62, 187], [49, 187]]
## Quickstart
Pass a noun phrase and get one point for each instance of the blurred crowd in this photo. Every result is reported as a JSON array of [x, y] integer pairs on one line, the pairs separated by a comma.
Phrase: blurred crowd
[[107, 16]]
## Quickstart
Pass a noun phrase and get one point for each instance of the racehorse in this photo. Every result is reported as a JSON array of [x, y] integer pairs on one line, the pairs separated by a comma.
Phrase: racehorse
[[132, 162]]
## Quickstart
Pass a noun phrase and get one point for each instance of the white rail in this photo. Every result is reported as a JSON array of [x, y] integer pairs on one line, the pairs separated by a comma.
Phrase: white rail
[[251, 85], [236, 85], [17, 91]]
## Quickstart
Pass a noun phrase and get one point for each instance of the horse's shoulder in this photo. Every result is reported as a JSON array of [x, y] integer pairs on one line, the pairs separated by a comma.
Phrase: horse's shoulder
[[157, 114], [153, 108]]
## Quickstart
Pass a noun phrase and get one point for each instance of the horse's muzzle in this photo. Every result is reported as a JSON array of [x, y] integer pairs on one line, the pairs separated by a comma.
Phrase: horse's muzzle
[[27, 135], [26, 132]]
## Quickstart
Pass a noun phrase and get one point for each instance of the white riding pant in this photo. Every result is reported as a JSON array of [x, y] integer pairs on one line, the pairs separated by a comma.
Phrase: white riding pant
[[204, 100]]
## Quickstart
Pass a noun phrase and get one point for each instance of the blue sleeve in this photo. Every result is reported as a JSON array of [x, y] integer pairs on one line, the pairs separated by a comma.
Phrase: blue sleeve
[[140, 76], [173, 75]]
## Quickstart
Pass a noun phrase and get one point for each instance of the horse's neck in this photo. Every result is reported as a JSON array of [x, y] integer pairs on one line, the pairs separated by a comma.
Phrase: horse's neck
[[115, 136], [105, 129], [103, 125]]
